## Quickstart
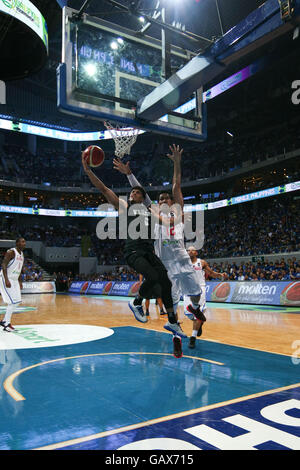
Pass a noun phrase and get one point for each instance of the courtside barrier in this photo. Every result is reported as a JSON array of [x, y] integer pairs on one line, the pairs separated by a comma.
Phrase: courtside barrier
[[39, 287], [264, 293]]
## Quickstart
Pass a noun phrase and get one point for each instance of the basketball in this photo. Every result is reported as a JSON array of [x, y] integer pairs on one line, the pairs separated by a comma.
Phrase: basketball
[[290, 294], [220, 292], [94, 156]]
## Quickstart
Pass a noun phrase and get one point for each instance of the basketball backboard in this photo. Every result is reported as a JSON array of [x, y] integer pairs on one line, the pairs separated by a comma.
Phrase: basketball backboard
[[106, 69]]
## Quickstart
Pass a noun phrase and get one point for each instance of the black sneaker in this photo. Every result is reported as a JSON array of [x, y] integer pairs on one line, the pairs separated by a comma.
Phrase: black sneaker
[[2, 323], [196, 312], [163, 313], [9, 328], [177, 352], [192, 342], [147, 313]]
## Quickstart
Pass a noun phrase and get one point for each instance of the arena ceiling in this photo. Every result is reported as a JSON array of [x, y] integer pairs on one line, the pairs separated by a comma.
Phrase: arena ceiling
[[207, 19]]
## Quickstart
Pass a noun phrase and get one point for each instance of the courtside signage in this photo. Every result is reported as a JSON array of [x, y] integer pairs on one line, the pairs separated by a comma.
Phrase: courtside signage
[[285, 188], [263, 293]]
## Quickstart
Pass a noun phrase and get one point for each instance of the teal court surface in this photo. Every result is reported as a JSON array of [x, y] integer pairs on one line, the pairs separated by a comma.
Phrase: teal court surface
[[85, 387]]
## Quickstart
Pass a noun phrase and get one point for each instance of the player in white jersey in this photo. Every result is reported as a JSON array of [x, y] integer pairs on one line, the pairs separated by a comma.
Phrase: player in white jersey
[[169, 243], [202, 269], [10, 281]]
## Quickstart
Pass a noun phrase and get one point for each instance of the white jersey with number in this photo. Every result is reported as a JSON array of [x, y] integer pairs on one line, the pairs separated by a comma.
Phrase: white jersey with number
[[197, 265], [169, 242], [12, 294], [169, 247]]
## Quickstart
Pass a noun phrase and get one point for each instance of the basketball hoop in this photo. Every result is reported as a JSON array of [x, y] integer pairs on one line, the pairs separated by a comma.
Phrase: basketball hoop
[[124, 138]]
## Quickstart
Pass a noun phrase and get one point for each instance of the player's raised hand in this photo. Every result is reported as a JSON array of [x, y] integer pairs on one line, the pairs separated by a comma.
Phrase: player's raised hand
[[176, 153], [121, 167]]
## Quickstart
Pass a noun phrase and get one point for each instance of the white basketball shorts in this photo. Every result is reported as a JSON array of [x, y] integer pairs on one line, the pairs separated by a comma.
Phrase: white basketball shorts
[[184, 279], [10, 295]]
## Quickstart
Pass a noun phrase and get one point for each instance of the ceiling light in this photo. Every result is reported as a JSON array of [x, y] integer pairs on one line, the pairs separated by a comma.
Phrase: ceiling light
[[90, 69], [114, 45]]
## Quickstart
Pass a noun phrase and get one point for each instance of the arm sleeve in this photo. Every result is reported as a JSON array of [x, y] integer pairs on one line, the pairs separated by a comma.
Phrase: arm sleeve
[[134, 182]]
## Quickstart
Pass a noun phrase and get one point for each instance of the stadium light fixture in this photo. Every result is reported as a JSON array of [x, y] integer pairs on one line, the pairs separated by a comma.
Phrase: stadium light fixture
[[90, 69], [114, 45]]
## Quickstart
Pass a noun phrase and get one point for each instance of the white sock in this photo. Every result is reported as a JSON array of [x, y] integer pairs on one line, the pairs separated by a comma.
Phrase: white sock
[[9, 311], [195, 333]]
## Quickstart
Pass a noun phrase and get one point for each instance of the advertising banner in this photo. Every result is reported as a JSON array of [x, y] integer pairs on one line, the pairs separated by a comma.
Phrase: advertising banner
[[126, 288], [262, 293], [79, 287], [268, 293], [100, 287], [43, 287]]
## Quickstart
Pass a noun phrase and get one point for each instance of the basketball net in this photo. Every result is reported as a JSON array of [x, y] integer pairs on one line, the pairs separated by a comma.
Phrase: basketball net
[[124, 138]]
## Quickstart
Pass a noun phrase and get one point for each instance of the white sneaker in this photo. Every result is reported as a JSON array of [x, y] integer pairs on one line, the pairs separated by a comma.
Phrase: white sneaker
[[175, 328], [9, 328], [138, 312]]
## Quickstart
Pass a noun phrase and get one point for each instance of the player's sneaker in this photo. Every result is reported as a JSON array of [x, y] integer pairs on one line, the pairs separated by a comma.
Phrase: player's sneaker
[[147, 313], [2, 323], [9, 328], [200, 330], [138, 312], [163, 313], [175, 328], [196, 312], [192, 342], [177, 351]]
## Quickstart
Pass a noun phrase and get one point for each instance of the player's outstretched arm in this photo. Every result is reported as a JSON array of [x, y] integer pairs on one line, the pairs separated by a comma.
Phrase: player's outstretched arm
[[175, 156], [125, 169], [110, 196], [212, 273]]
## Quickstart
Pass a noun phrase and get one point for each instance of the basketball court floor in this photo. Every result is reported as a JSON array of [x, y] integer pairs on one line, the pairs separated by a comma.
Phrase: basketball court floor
[[80, 373]]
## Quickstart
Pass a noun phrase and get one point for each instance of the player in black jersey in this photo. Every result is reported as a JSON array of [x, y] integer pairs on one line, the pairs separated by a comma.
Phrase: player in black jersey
[[139, 253]]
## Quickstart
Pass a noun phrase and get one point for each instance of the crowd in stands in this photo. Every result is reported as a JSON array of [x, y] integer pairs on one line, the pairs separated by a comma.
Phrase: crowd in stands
[[260, 270], [261, 227], [31, 271], [279, 270], [271, 227], [152, 168]]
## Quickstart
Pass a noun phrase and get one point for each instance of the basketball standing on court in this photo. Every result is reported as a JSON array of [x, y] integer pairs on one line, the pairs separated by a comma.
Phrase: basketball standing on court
[[10, 281]]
